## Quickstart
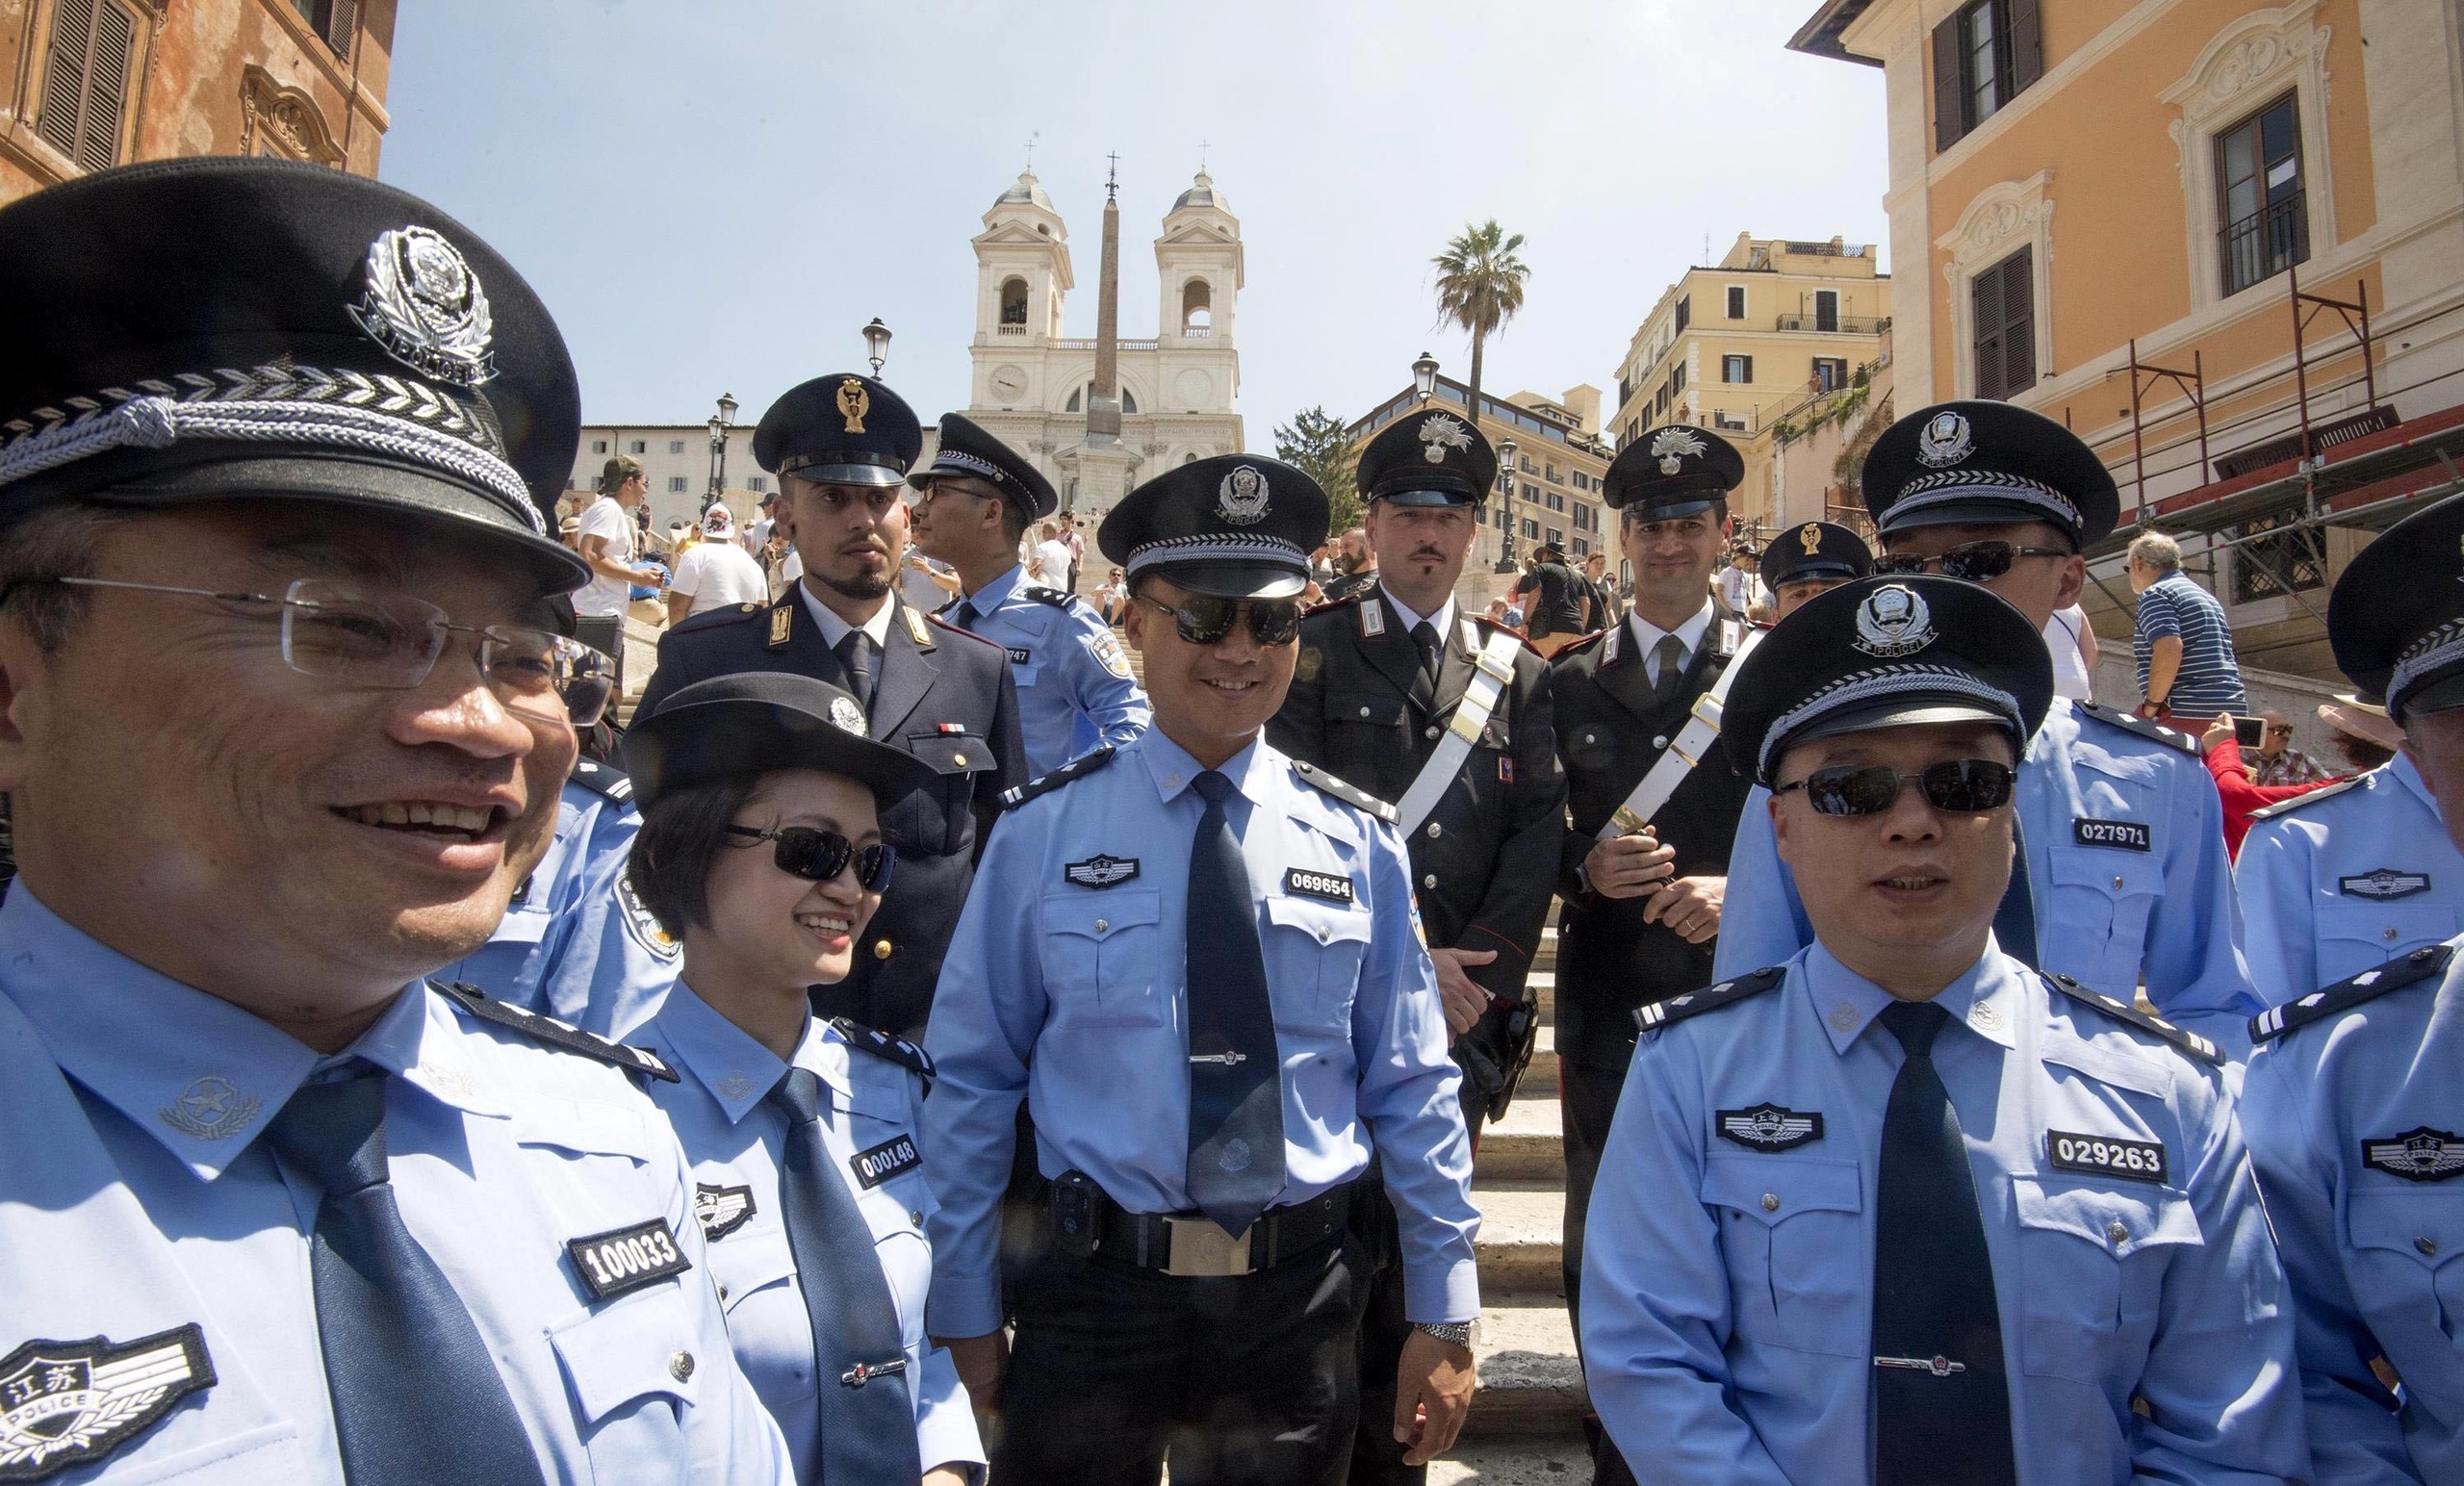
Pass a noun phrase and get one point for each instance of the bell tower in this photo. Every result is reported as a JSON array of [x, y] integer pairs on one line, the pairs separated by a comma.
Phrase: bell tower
[[1021, 276], [1198, 266]]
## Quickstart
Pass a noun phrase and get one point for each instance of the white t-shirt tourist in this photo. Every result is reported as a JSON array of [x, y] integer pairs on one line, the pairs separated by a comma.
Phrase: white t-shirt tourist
[[603, 596], [716, 573]]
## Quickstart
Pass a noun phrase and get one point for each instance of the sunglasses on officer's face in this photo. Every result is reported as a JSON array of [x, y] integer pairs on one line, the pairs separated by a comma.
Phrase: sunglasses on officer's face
[[1970, 562], [1960, 786], [819, 856], [1205, 619]]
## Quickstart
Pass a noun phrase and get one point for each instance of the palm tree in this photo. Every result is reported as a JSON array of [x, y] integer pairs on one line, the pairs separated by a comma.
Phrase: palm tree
[[1479, 287]]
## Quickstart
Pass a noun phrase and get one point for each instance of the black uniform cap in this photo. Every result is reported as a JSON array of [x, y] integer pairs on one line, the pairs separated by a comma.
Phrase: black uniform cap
[[1815, 549], [216, 327], [1887, 653], [969, 450], [1237, 526], [1988, 462], [2396, 616], [1430, 457], [757, 722], [1673, 470], [840, 429]]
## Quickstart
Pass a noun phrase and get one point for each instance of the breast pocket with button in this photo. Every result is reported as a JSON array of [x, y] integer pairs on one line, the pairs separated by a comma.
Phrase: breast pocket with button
[[2358, 936], [1101, 956], [2404, 1281], [633, 1367], [768, 1327], [1313, 955], [2097, 914], [2092, 1265], [1792, 1229]]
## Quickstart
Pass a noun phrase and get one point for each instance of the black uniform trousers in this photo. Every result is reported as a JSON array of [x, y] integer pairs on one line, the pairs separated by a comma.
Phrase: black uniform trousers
[[1249, 1379]]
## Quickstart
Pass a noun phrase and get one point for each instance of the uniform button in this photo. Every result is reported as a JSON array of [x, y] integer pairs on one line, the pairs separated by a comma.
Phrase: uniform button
[[1429, 732], [1770, 1202], [2117, 884], [959, 759], [1591, 737], [1435, 831], [2117, 1232], [1101, 925], [723, 1291], [2427, 1245], [2391, 933], [1322, 933], [915, 1216], [680, 1365], [1364, 712], [1661, 741], [1429, 881], [880, 949]]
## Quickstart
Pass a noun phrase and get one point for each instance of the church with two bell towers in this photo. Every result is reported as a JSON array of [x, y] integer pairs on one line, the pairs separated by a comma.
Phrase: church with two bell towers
[[1100, 414]]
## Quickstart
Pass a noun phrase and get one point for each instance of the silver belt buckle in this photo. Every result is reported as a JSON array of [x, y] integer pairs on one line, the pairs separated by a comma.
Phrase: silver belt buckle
[[1202, 1250]]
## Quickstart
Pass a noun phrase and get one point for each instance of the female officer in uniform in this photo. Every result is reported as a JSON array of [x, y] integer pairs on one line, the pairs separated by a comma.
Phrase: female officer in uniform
[[761, 849]]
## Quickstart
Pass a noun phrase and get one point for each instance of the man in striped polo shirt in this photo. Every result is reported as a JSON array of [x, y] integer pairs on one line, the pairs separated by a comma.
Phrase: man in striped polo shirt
[[2184, 647]]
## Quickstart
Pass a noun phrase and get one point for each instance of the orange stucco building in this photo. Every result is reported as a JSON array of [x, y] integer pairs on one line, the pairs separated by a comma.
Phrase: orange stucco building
[[87, 84]]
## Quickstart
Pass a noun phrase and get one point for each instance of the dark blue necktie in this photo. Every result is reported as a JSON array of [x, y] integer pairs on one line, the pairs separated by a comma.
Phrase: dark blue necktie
[[2015, 922], [1236, 1076], [855, 651], [417, 1398], [859, 1350], [963, 615], [1942, 1403]]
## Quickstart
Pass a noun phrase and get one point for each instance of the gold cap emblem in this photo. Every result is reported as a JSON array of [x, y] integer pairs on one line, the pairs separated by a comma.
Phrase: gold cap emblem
[[854, 402], [1809, 537]]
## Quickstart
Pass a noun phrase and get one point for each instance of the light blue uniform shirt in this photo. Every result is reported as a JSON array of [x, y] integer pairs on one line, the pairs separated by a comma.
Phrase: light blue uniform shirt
[[2126, 861], [135, 1198], [1726, 1338], [1076, 689], [737, 1143], [2373, 1255], [2333, 887], [1074, 998]]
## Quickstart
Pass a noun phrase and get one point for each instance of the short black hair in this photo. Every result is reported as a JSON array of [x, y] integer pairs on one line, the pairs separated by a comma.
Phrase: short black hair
[[684, 829]]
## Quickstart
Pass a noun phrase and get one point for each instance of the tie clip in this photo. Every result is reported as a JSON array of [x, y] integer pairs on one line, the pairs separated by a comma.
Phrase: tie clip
[[1940, 1367], [1227, 1059], [864, 1372]]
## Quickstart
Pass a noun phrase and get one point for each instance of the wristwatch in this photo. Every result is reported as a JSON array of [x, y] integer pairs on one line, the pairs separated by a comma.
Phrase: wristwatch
[[1458, 1332]]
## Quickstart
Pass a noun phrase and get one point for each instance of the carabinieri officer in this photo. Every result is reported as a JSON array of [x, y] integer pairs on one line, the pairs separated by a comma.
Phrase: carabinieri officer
[[1198, 962], [2124, 870], [841, 446], [287, 720], [762, 852], [2353, 1107], [974, 503], [1448, 716], [1902, 1210]]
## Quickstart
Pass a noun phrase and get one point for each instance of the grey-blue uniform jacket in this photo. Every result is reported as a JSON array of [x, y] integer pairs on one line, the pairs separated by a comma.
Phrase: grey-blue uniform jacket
[[1075, 690]]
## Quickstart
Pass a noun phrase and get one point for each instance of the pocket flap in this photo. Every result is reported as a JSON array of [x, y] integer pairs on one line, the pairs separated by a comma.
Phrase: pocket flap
[[743, 1262], [2370, 923], [2115, 874], [2119, 1221], [1374, 711], [1778, 1188], [2427, 1226], [951, 753], [1325, 922], [1100, 916], [631, 1350], [586, 1129]]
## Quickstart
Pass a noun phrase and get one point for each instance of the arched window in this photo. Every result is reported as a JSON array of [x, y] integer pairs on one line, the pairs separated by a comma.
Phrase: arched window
[[1197, 311], [1189, 458], [1086, 394], [1013, 301]]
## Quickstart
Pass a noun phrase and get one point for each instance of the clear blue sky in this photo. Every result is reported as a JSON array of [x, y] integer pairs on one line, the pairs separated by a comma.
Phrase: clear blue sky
[[714, 196]]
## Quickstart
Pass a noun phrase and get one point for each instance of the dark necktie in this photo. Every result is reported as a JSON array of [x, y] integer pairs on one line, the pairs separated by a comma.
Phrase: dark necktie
[[855, 657], [2015, 922], [1941, 1403], [1670, 656], [417, 1396], [1236, 1075], [858, 1351], [963, 615], [1424, 685]]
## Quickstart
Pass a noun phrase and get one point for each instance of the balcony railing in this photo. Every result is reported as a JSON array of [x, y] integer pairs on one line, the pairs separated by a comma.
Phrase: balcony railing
[[1009, 330], [2265, 244], [1836, 324]]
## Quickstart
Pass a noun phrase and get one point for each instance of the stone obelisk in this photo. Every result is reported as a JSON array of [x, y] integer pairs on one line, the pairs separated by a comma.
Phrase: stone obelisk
[[1106, 467]]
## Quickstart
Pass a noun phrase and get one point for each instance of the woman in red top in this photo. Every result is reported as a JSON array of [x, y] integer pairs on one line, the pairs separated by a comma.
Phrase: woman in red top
[[2363, 735]]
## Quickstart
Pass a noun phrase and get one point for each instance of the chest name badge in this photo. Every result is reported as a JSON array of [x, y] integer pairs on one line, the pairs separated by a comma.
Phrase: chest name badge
[[1019, 655], [1332, 887], [71, 1403], [1101, 870], [891, 1158], [2386, 884], [2104, 1155], [611, 1264], [2418, 1155], [2129, 836], [1770, 1127], [721, 1209]]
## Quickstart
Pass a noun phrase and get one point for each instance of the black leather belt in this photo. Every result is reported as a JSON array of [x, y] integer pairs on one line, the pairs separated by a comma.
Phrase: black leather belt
[[1190, 1244]]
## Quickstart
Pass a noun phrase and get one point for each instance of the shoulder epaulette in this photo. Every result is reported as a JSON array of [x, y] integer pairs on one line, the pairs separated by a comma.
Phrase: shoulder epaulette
[[1578, 647], [2288, 807], [880, 1044], [1349, 794], [942, 624], [2191, 1043], [1501, 627], [1045, 783], [1330, 605], [712, 619], [1059, 598], [1652, 1016], [556, 1034], [604, 779], [2344, 995], [2131, 722]]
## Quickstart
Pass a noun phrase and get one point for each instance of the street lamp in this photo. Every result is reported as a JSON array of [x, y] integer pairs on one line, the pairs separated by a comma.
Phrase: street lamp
[[720, 422], [1425, 376], [876, 343], [1505, 465]]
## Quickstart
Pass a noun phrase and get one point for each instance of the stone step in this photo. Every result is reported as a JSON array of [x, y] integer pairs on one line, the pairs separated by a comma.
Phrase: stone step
[[1522, 1235], [1531, 1382], [1527, 1145]]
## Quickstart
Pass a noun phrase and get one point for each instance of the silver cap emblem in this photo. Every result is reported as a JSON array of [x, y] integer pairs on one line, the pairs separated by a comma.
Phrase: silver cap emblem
[[1242, 497], [1944, 441], [1440, 434], [1893, 621], [425, 307], [849, 717], [1670, 445]]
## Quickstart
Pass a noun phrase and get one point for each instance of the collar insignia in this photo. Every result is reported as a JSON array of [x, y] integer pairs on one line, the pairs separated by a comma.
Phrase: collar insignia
[[1242, 497], [915, 629], [422, 303], [210, 1109], [782, 623]]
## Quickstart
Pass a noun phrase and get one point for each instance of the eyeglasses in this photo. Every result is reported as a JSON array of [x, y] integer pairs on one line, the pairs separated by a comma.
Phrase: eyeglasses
[[819, 856], [1205, 619], [1960, 787], [336, 631], [1970, 562]]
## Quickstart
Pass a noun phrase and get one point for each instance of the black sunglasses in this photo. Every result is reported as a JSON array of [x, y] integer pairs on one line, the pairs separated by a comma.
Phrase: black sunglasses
[[818, 855], [1204, 618], [1960, 787], [1970, 562]]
